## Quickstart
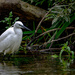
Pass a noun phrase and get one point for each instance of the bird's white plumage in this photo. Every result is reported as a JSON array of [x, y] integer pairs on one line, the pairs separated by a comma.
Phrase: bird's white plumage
[[11, 39]]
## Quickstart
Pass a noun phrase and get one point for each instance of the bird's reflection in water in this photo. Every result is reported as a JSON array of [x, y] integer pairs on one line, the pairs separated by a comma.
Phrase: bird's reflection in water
[[7, 68]]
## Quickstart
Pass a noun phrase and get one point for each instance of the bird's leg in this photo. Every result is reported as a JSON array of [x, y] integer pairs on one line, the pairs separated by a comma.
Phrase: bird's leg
[[6, 57]]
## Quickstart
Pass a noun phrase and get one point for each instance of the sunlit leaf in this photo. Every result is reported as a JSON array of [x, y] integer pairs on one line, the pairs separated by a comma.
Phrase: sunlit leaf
[[72, 54], [10, 14], [54, 20], [61, 53], [55, 56], [68, 48]]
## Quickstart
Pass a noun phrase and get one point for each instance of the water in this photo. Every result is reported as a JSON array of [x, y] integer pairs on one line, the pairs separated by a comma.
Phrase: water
[[41, 66]]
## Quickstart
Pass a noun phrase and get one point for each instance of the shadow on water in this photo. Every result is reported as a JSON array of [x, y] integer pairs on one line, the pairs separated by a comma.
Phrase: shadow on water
[[42, 65]]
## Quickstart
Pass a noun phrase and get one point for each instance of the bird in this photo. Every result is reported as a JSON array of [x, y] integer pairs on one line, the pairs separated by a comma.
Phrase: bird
[[11, 38]]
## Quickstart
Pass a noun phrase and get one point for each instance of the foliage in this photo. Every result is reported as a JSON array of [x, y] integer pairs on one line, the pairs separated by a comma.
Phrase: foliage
[[55, 56], [40, 2], [61, 23], [47, 36], [61, 13], [66, 48], [48, 3], [8, 20], [65, 60], [62, 16], [23, 48], [63, 26]]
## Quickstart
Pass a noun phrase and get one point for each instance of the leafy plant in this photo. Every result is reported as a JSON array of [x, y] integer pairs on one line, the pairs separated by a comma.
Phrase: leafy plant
[[64, 26], [62, 18], [39, 2], [61, 13], [70, 56], [48, 3], [8, 20], [66, 48]]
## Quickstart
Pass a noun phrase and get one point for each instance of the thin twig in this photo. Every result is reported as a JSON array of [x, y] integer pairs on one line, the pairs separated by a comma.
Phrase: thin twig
[[42, 20], [63, 37], [46, 33], [47, 14], [52, 49], [53, 30], [35, 38], [44, 50], [73, 42], [57, 39]]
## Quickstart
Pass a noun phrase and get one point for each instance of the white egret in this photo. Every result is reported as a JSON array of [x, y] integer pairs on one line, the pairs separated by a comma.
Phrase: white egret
[[11, 39]]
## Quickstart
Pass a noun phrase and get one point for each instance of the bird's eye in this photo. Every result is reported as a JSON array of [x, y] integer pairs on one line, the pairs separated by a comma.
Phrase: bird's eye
[[19, 24]]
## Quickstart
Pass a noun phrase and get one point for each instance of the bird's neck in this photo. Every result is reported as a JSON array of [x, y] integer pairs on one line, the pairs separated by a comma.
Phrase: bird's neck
[[18, 31]]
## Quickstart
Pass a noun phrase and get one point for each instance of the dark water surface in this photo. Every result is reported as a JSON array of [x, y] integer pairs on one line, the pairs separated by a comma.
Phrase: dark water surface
[[42, 66]]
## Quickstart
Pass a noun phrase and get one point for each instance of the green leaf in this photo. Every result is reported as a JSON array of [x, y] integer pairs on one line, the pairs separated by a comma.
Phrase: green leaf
[[67, 19], [72, 54], [10, 14], [66, 24], [55, 56], [33, 25], [17, 18], [10, 19], [3, 21], [55, 20], [61, 54], [67, 43], [68, 48], [6, 19]]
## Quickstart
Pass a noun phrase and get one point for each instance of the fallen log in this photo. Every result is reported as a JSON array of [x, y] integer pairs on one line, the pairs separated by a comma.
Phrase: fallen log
[[21, 9]]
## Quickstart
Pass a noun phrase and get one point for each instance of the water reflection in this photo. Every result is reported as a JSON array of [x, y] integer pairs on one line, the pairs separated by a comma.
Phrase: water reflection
[[38, 67], [7, 68]]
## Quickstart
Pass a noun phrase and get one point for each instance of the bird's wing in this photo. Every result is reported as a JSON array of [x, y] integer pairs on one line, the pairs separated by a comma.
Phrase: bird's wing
[[6, 40], [7, 43], [6, 33]]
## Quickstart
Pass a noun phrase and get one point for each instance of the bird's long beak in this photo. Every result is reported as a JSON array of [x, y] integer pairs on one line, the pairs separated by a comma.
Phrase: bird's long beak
[[26, 28]]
